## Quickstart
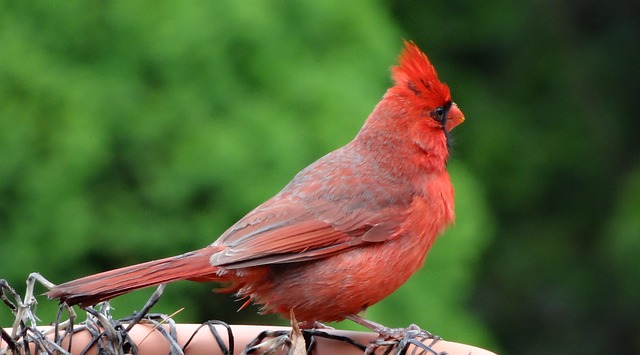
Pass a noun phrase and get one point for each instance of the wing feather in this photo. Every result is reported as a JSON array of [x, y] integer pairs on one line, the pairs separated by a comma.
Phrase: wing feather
[[333, 205], [283, 232]]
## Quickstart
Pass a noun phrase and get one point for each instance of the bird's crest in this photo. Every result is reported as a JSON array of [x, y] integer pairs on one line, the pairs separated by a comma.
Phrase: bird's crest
[[416, 73]]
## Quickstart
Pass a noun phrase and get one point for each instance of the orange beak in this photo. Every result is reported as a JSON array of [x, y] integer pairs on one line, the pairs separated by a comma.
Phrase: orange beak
[[454, 118]]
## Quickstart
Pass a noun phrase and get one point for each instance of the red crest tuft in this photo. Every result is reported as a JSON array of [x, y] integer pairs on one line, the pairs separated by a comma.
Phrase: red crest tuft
[[416, 73]]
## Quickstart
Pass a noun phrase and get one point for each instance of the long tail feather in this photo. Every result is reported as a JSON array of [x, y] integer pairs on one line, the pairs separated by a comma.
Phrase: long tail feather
[[100, 287]]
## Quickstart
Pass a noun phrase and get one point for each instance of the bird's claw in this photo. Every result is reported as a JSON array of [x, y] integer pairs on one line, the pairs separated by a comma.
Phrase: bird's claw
[[397, 333], [399, 339]]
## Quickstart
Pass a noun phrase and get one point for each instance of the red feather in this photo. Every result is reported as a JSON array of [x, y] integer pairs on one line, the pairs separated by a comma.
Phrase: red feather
[[345, 232]]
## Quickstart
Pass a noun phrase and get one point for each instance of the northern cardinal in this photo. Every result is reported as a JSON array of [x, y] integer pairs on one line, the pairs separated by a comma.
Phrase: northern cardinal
[[347, 230]]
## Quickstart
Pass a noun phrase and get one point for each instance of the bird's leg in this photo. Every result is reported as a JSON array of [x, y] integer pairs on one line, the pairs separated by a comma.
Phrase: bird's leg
[[400, 338], [386, 331]]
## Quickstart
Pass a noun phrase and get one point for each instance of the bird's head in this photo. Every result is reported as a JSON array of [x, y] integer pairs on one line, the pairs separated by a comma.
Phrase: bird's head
[[417, 113], [427, 100]]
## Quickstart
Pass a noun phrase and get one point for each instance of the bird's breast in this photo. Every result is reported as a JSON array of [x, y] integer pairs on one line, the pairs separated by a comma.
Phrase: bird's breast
[[330, 288]]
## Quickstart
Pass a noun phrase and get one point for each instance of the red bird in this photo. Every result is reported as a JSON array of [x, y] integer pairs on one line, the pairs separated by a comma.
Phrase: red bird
[[345, 233]]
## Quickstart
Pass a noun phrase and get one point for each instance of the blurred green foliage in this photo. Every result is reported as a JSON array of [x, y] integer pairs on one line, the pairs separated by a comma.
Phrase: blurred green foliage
[[131, 131]]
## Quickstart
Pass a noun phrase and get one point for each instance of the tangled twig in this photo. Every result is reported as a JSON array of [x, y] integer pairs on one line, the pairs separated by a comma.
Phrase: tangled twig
[[112, 336]]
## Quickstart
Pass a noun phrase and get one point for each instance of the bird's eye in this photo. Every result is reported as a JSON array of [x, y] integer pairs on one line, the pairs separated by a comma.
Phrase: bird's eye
[[439, 114]]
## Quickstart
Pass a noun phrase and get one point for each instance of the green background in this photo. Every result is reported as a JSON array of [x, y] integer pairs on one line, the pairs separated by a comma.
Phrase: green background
[[136, 130]]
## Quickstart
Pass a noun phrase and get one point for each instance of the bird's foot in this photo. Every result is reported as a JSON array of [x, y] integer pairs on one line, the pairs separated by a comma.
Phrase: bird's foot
[[398, 339], [412, 331]]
